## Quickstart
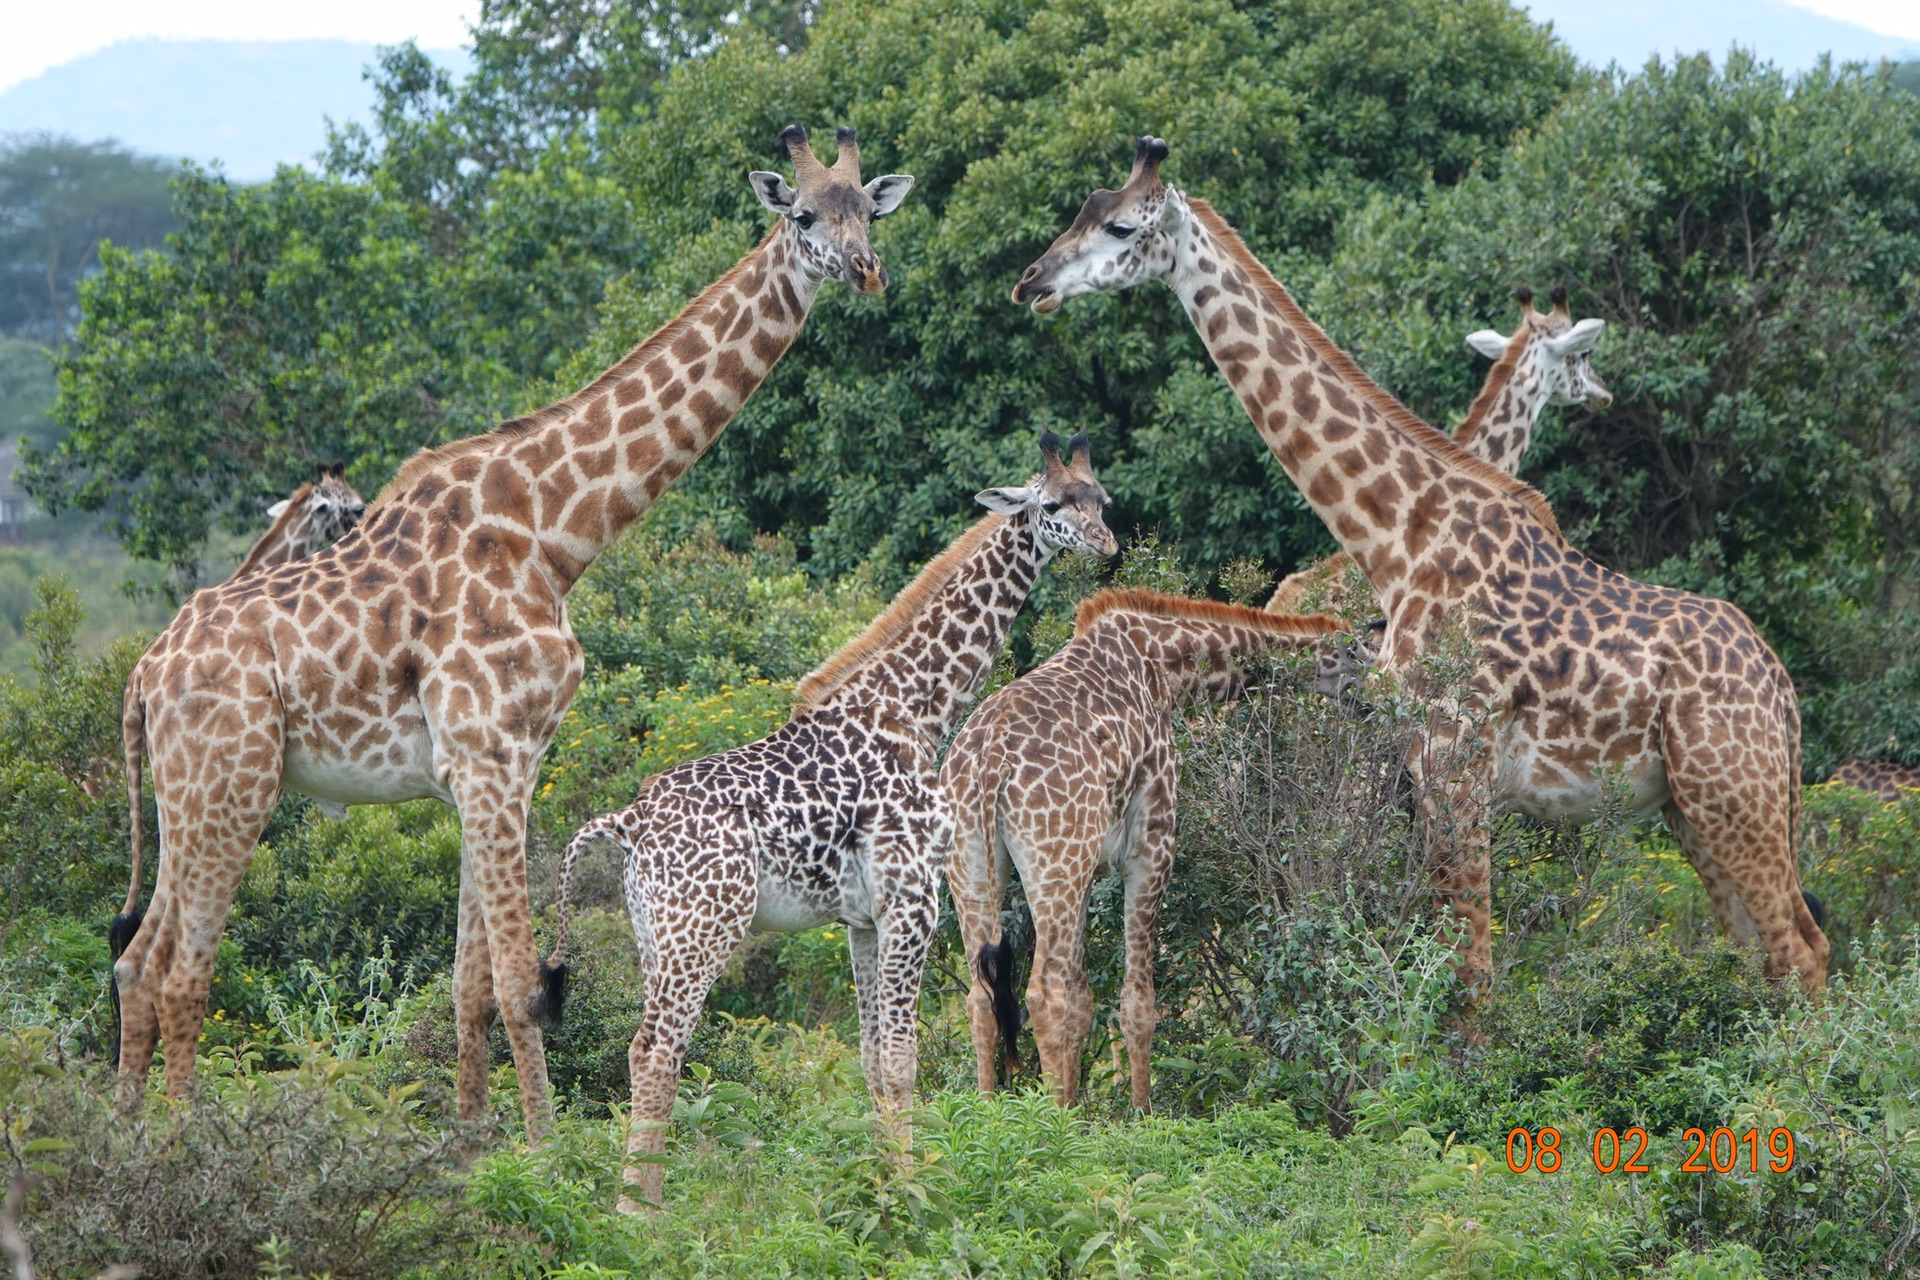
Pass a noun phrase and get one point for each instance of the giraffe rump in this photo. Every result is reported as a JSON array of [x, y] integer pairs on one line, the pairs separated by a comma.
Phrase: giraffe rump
[[820, 683], [1408, 423]]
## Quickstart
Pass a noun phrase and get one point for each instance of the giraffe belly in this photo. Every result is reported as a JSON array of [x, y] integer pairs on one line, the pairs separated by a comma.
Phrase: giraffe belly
[[1546, 784], [404, 770], [781, 908]]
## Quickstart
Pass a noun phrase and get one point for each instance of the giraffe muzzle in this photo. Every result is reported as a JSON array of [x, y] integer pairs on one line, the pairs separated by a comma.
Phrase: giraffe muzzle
[[1041, 297], [866, 275]]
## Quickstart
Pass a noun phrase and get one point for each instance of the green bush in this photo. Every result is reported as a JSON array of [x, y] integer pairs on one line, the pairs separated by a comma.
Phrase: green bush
[[63, 807]]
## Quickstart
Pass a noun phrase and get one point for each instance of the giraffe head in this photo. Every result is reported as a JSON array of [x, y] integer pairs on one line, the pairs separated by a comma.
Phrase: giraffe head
[[1555, 360], [1064, 501], [334, 507], [1118, 239], [830, 209]]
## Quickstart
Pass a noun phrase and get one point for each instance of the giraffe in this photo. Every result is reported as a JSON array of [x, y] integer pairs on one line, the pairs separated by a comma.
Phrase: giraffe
[[1882, 777], [428, 653], [1583, 673], [1070, 771], [1548, 360], [838, 814], [317, 514]]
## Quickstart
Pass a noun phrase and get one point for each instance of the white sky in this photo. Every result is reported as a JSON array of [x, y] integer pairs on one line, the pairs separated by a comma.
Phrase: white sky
[[38, 34]]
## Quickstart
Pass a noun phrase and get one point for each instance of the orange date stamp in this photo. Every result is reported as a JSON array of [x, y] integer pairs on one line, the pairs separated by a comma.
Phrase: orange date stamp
[[1719, 1151]]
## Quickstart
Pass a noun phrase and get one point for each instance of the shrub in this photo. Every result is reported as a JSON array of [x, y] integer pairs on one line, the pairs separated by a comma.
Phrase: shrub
[[348, 1178]]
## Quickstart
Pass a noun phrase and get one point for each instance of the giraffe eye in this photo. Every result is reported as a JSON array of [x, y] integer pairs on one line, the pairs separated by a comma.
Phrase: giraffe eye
[[803, 220], [1051, 508], [1121, 230]]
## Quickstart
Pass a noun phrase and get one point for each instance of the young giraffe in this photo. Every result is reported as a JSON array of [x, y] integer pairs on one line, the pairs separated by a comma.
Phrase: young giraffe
[[428, 653], [1583, 672], [1548, 360], [1070, 771], [838, 815], [317, 515], [1882, 777]]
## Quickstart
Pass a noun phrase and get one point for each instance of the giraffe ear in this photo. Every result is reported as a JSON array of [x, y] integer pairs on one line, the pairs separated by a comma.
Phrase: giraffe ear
[[279, 508], [1581, 337], [1488, 342], [1008, 502], [773, 191], [888, 191]]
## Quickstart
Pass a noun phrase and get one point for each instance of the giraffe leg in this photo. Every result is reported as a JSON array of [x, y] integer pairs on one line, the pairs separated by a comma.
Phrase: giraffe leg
[[1149, 865], [1737, 826], [210, 826], [493, 837], [906, 935], [975, 889], [1058, 997], [863, 946], [474, 1006], [683, 954], [1453, 776], [1721, 891]]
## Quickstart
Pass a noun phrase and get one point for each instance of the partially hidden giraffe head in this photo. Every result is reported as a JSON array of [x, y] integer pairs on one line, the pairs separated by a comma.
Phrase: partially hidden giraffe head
[[332, 508], [1555, 359], [1065, 501], [831, 210], [1119, 238]]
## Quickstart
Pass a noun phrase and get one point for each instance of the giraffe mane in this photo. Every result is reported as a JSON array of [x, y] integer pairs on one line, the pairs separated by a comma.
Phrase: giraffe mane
[[1417, 431], [434, 457], [1497, 379], [817, 685], [1160, 605], [296, 504]]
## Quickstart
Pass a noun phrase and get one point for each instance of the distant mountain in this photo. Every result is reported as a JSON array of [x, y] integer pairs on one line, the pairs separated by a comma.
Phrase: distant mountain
[[249, 105], [1627, 31]]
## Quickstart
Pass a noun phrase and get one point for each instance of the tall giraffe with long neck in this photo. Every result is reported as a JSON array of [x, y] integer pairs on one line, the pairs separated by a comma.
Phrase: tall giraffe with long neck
[[1547, 361], [428, 654], [1582, 672], [837, 815]]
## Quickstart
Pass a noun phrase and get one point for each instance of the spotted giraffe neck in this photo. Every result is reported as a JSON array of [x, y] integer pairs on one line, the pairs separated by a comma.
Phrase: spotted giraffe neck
[[285, 538], [574, 475], [1378, 477], [1195, 643], [933, 648], [1498, 428]]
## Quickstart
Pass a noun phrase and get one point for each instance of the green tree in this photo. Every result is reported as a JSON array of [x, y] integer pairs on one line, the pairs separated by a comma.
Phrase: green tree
[[446, 272], [59, 199]]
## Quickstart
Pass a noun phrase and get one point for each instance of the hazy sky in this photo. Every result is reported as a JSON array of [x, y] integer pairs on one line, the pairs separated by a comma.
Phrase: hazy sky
[[46, 33], [42, 34]]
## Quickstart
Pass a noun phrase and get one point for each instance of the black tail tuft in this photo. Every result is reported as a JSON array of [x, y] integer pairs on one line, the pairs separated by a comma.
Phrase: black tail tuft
[[550, 1002], [996, 970], [1817, 907], [120, 931]]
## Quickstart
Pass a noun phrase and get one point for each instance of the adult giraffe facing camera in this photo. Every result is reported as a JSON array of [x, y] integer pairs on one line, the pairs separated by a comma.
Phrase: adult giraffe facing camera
[[1582, 670], [428, 654]]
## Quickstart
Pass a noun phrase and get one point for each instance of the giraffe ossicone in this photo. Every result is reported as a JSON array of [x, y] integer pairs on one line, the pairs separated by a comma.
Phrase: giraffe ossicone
[[837, 815], [428, 653], [1068, 772], [1583, 673]]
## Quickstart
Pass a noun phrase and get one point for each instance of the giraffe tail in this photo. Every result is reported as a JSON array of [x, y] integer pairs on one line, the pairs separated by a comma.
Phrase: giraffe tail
[[996, 970], [122, 928], [552, 999]]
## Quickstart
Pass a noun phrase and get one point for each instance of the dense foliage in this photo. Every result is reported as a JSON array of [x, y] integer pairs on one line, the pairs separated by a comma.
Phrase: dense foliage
[[59, 199], [1753, 241]]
